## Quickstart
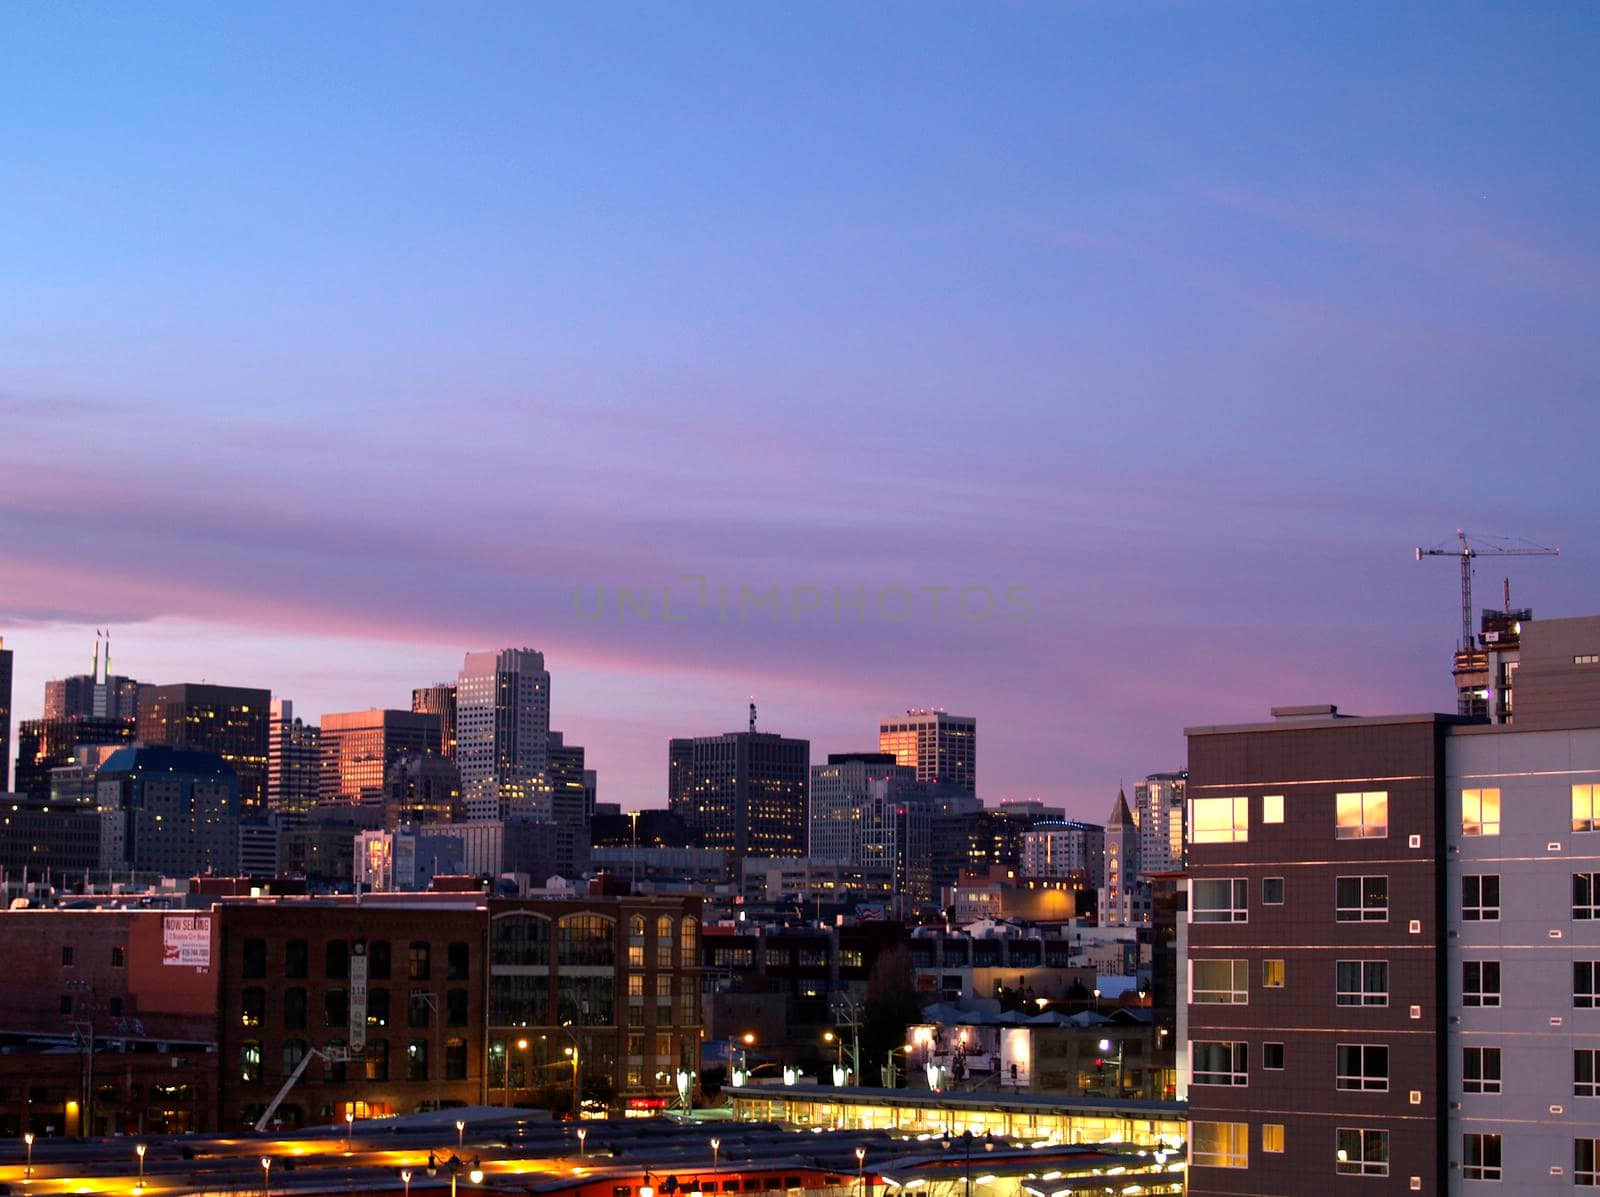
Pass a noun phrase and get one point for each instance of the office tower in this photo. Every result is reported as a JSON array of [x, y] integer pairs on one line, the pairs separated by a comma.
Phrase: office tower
[[93, 695], [503, 733], [1119, 897], [1060, 849], [868, 810], [1032, 810], [942, 748], [231, 721], [260, 846], [570, 795], [294, 763], [439, 699], [357, 748], [421, 788], [742, 791], [44, 745], [1158, 804], [5, 715], [176, 811]]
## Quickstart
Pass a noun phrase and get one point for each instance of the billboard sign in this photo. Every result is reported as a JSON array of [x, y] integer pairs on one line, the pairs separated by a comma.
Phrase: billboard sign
[[358, 999], [186, 940]]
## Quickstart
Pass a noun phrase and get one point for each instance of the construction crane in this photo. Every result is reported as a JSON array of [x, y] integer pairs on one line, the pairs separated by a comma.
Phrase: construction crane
[[1481, 546]]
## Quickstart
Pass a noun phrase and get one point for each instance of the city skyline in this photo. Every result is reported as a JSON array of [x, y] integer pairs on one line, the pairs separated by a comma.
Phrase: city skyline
[[341, 344]]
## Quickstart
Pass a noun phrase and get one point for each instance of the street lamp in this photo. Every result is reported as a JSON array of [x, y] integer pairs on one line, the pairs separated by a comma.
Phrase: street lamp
[[139, 1151], [461, 1131], [1105, 1046], [266, 1175], [28, 1139], [716, 1145], [861, 1171], [349, 1128], [966, 1140], [405, 1179], [889, 1073], [577, 1065], [583, 1133]]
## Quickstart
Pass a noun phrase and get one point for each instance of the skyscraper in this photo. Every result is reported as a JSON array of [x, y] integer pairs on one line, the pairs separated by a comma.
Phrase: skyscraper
[[439, 699], [231, 721], [1059, 849], [294, 763], [93, 695], [743, 791], [867, 810], [942, 748], [170, 812], [1158, 803], [47, 744], [357, 748], [503, 733], [5, 716]]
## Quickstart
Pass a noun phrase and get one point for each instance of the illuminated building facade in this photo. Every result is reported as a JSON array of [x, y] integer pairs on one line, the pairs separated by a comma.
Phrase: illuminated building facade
[[294, 763], [744, 791], [357, 748], [439, 699], [168, 811], [44, 745], [942, 748], [232, 721], [503, 733], [1159, 803], [1060, 849]]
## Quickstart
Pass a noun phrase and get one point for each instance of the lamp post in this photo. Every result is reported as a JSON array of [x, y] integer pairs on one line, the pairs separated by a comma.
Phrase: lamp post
[[349, 1128], [861, 1172], [577, 1064], [461, 1131], [583, 1133], [1105, 1046], [139, 1151], [889, 1073], [405, 1179], [28, 1139], [716, 1172], [266, 1175], [966, 1141]]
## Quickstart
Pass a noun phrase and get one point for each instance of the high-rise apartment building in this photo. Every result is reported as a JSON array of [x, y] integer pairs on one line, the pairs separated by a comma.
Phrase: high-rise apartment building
[[867, 810], [942, 748], [503, 733], [232, 721], [294, 763], [743, 791], [5, 715], [1060, 849], [439, 699], [169, 811], [1159, 805], [357, 748]]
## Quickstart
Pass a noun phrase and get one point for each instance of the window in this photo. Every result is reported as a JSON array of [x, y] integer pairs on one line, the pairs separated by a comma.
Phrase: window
[[1480, 812], [65, 1005], [1361, 983], [421, 960], [1272, 1137], [119, 957], [335, 1008], [455, 1004], [1272, 808], [688, 940], [417, 1060], [1361, 816], [1362, 1066], [586, 939], [1480, 983], [377, 1007], [1219, 1144], [1361, 899], [1272, 974], [296, 959], [1220, 982], [375, 1060], [1584, 1083], [520, 939], [664, 941], [455, 1059], [252, 1005], [1219, 1063], [1480, 897], [1361, 1152], [336, 960], [636, 985], [1220, 900], [333, 1071], [519, 1001], [1272, 1056], [418, 1010], [458, 962], [1480, 1070], [1480, 1157], [1272, 891], [1585, 800], [294, 1050], [378, 960], [250, 1061], [1586, 984], [1219, 821], [116, 1007], [1585, 895], [254, 964], [1584, 1156], [294, 1006]]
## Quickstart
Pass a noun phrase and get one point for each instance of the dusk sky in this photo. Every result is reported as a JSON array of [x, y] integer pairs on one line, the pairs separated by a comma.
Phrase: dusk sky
[[338, 340]]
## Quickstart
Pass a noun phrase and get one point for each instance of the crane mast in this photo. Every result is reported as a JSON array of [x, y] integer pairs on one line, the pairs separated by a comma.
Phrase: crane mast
[[1466, 551]]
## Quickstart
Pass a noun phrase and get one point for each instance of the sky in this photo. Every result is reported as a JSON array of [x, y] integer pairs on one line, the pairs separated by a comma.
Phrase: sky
[[1089, 369]]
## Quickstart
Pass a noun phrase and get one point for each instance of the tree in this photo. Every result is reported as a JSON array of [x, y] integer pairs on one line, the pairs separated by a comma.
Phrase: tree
[[892, 1005]]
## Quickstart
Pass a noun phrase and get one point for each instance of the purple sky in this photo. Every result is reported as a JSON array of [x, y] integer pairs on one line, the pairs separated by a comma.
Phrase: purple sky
[[334, 344]]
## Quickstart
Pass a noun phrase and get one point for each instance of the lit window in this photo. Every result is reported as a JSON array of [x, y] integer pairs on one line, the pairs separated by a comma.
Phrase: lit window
[[1362, 816], [1219, 821], [1480, 1070], [1362, 1066], [1220, 982], [1361, 983], [1480, 897], [1272, 808], [1584, 801], [1219, 1063], [1361, 1152], [1480, 983], [1480, 812], [1272, 1137], [1480, 1157], [1220, 900], [1219, 1144], [1272, 974], [1361, 899]]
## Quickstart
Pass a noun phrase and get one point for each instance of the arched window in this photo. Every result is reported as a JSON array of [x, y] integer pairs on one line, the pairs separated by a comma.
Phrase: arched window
[[294, 1050], [636, 941], [250, 1061], [586, 940], [333, 1070], [664, 941], [689, 942], [455, 1059], [521, 939]]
